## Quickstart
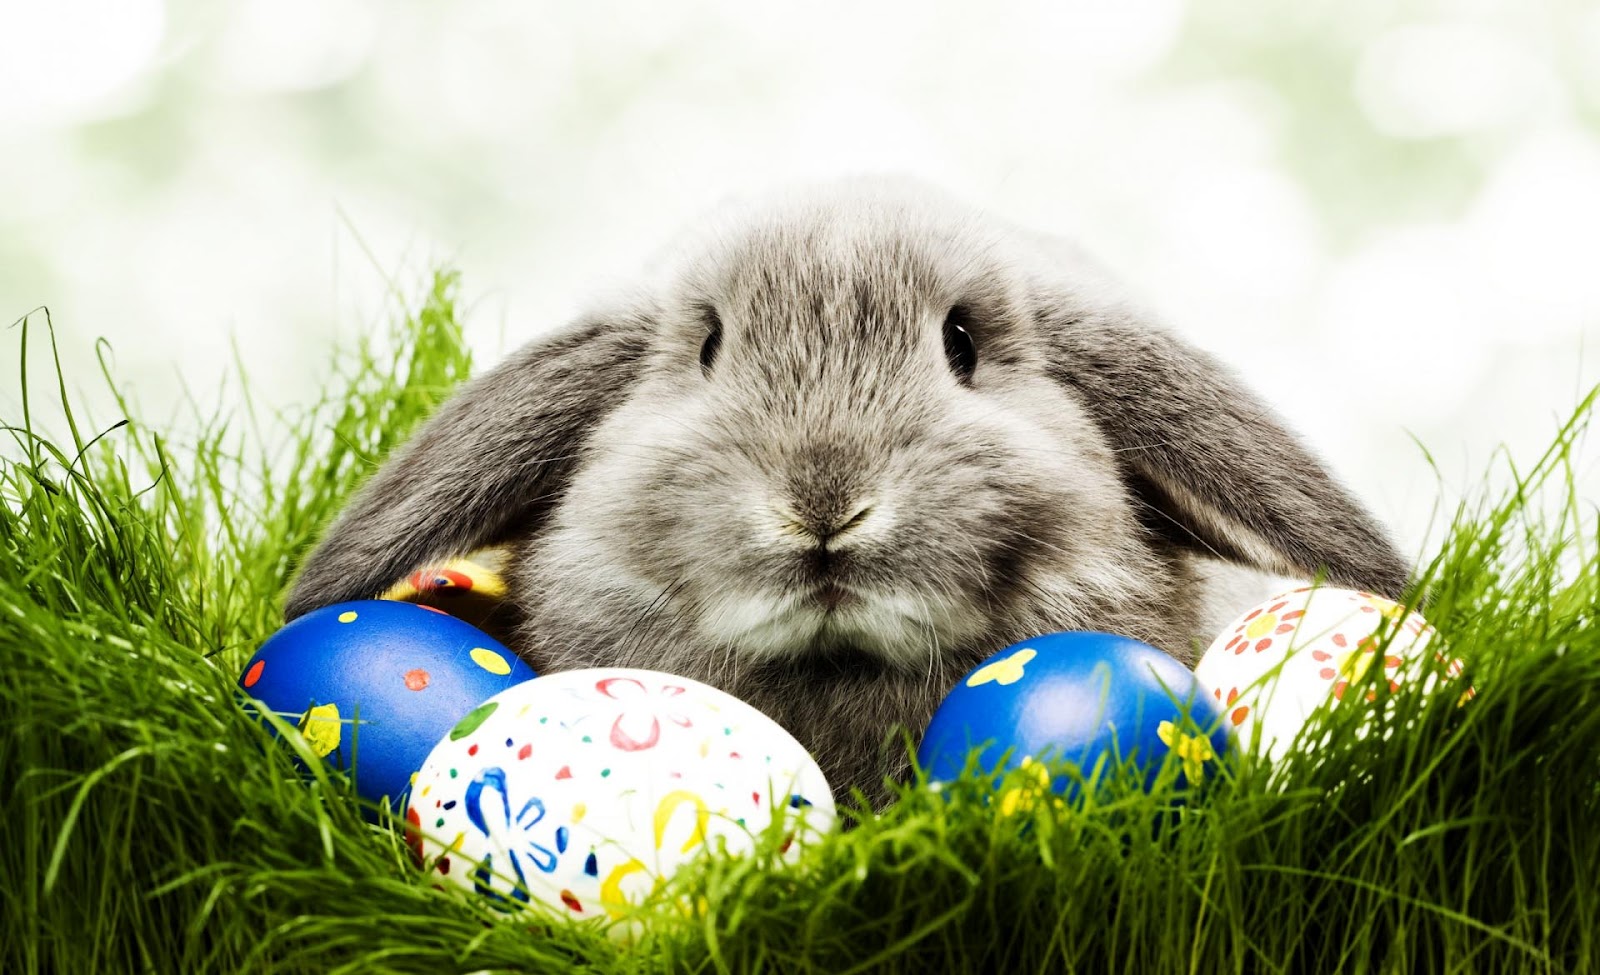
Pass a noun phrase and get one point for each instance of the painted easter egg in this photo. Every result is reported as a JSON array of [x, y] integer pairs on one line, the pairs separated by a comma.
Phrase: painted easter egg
[[373, 685], [1078, 696], [1287, 656], [470, 587], [586, 789]]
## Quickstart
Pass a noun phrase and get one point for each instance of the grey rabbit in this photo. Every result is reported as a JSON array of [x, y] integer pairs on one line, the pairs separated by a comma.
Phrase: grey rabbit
[[843, 446]]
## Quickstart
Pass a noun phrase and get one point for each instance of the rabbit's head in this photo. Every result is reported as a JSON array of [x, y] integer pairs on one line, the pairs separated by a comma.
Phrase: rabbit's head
[[847, 446], [847, 439]]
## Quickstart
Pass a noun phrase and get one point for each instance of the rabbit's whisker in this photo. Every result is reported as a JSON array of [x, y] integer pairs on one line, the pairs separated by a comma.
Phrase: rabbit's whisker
[[660, 601]]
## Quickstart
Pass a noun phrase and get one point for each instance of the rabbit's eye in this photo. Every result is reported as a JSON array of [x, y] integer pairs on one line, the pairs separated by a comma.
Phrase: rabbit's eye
[[959, 349], [713, 342]]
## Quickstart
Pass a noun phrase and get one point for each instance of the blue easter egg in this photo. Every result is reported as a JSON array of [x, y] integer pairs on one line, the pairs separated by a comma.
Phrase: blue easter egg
[[374, 685], [1075, 696]]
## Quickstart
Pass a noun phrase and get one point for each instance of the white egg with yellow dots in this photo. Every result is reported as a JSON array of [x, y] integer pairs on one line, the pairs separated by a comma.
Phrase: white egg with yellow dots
[[1279, 661], [586, 789]]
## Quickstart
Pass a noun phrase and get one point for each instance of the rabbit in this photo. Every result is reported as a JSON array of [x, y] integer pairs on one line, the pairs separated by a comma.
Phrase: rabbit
[[837, 449]]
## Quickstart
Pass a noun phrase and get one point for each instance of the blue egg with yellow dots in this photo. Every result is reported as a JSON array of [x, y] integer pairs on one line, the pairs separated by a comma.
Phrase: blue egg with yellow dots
[[373, 685], [1079, 696]]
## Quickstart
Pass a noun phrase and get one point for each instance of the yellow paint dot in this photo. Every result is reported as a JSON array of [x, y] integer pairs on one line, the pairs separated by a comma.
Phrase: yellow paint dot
[[1261, 625], [413, 778], [490, 661], [1007, 671], [1193, 750], [578, 812], [1353, 664], [425, 789], [455, 844], [348, 616], [321, 726], [1022, 799]]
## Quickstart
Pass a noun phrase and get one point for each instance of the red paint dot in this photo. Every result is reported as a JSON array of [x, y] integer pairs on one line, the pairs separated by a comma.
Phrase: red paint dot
[[568, 898], [473, 750], [1263, 644], [414, 835], [1239, 714], [1321, 655], [1294, 614], [444, 864], [1275, 607], [430, 580], [565, 772], [1283, 628], [1233, 694], [524, 751], [254, 673], [734, 755], [416, 679], [1253, 614], [755, 797], [1327, 673], [1340, 641]]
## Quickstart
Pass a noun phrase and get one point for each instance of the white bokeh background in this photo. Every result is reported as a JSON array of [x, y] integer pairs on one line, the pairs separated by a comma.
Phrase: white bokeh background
[[1387, 216]]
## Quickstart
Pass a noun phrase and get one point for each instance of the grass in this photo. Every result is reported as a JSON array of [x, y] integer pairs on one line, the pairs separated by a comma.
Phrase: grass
[[150, 827]]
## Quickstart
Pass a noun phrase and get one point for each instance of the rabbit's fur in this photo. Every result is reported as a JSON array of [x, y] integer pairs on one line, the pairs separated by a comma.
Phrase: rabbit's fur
[[683, 518]]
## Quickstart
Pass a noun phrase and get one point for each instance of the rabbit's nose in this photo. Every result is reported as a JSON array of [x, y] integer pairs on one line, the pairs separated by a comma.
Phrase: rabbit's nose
[[825, 524], [826, 528], [828, 495]]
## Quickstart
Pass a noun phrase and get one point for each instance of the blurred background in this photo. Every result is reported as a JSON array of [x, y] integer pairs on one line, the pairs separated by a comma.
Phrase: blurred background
[[1386, 215]]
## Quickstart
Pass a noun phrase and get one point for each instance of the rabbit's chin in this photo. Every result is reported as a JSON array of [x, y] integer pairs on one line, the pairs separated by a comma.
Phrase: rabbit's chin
[[897, 629]]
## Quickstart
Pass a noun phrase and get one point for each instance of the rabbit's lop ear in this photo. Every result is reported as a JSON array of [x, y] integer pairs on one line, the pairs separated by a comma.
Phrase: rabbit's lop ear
[[491, 460], [1219, 471]]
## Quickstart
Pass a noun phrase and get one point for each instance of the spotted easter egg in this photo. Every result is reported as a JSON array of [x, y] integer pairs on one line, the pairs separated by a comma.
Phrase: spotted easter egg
[[1079, 696], [373, 685], [586, 789], [470, 587], [1271, 668]]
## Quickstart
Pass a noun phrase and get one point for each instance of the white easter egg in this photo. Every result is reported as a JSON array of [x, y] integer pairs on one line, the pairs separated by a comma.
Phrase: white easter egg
[[585, 789], [1285, 657]]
